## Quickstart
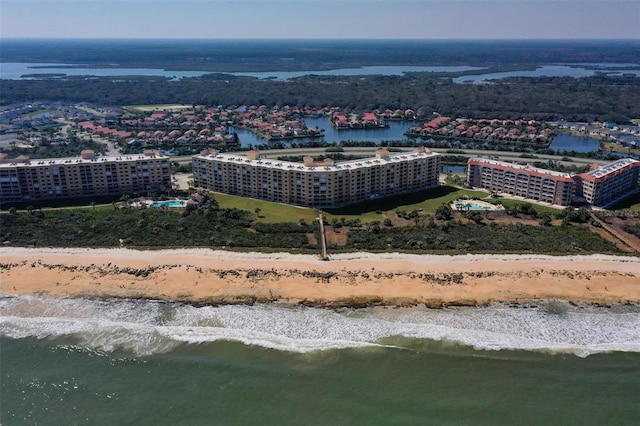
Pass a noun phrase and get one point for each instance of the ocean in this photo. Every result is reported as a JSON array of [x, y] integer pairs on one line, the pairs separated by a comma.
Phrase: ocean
[[89, 361]]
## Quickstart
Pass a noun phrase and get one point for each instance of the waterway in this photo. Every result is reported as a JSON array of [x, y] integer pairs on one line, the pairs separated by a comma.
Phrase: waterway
[[17, 71], [373, 70], [395, 132], [547, 71]]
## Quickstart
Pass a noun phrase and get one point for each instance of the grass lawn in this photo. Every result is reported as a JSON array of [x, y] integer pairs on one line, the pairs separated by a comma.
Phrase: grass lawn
[[614, 147], [428, 201], [269, 212], [507, 202]]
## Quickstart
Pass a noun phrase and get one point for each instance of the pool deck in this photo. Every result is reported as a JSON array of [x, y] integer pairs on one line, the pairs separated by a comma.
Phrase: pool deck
[[458, 205], [144, 203]]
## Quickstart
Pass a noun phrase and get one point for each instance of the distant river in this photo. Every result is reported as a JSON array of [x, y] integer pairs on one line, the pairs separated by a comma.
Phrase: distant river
[[16, 71], [547, 71]]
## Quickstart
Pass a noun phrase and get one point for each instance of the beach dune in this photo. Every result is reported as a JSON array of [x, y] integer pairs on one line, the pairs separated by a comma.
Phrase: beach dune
[[354, 279]]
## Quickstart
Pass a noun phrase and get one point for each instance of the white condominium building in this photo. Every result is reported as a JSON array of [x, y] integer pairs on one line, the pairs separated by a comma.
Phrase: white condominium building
[[604, 184], [522, 181], [22, 179], [326, 184]]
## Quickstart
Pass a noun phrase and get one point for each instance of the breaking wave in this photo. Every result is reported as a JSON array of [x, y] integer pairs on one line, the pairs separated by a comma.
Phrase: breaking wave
[[147, 327]]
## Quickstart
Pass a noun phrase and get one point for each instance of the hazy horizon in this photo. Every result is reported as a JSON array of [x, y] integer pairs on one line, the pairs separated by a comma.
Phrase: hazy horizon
[[258, 39], [322, 20]]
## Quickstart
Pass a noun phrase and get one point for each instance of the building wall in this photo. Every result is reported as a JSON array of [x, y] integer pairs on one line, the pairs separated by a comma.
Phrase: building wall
[[598, 187], [317, 185], [521, 181], [83, 176], [609, 182]]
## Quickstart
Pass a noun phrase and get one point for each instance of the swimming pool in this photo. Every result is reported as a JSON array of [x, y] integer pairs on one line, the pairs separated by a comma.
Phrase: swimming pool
[[169, 203], [473, 206]]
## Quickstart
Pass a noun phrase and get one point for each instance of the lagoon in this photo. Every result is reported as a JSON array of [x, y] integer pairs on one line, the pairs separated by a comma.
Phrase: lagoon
[[547, 71], [395, 132], [566, 142], [372, 70], [17, 71]]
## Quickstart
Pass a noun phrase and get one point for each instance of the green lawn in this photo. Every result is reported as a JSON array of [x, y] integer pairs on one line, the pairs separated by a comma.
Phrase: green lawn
[[269, 212], [507, 202], [428, 201], [614, 147]]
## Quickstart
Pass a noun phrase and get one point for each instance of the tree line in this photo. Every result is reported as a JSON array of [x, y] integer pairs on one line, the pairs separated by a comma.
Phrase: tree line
[[597, 98]]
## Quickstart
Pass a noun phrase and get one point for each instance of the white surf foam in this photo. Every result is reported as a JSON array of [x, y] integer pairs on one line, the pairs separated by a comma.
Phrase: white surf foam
[[146, 327]]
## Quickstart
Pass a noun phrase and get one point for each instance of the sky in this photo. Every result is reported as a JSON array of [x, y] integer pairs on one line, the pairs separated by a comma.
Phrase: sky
[[322, 19]]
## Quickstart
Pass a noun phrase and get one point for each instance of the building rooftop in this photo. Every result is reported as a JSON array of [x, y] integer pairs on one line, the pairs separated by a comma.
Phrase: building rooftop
[[529, 169], [611, 168], [84, 158], [382, 157]]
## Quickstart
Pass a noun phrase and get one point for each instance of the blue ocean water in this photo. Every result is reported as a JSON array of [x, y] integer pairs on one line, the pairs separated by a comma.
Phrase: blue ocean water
[[82, 361]]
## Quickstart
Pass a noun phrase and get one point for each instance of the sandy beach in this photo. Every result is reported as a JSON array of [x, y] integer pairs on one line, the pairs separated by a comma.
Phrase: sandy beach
[[355, 279]]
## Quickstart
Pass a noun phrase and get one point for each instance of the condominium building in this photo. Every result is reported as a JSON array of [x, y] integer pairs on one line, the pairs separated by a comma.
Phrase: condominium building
[[521, 181], [317, 184], [22, 179], [604, 184]]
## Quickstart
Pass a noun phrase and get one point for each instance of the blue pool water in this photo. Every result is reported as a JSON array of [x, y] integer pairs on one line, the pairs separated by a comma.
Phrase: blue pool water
[[472, 206], [170, 203]]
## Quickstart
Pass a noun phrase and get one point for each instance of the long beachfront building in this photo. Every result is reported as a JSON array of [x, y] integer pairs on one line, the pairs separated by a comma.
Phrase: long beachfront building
[[326, 184], [22, 179], [597, 187]]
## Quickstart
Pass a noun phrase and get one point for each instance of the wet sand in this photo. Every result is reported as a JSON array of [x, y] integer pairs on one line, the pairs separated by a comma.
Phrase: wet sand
[[355, 279]]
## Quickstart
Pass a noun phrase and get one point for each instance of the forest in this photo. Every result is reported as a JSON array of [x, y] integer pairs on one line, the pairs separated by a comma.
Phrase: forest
[[597, 98]]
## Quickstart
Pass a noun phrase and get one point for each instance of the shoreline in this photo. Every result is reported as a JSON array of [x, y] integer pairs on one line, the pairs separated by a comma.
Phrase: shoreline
[[215, 277]]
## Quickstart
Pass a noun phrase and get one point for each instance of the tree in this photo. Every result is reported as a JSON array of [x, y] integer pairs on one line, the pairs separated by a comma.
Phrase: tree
[[444, 212], [545, 220]]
